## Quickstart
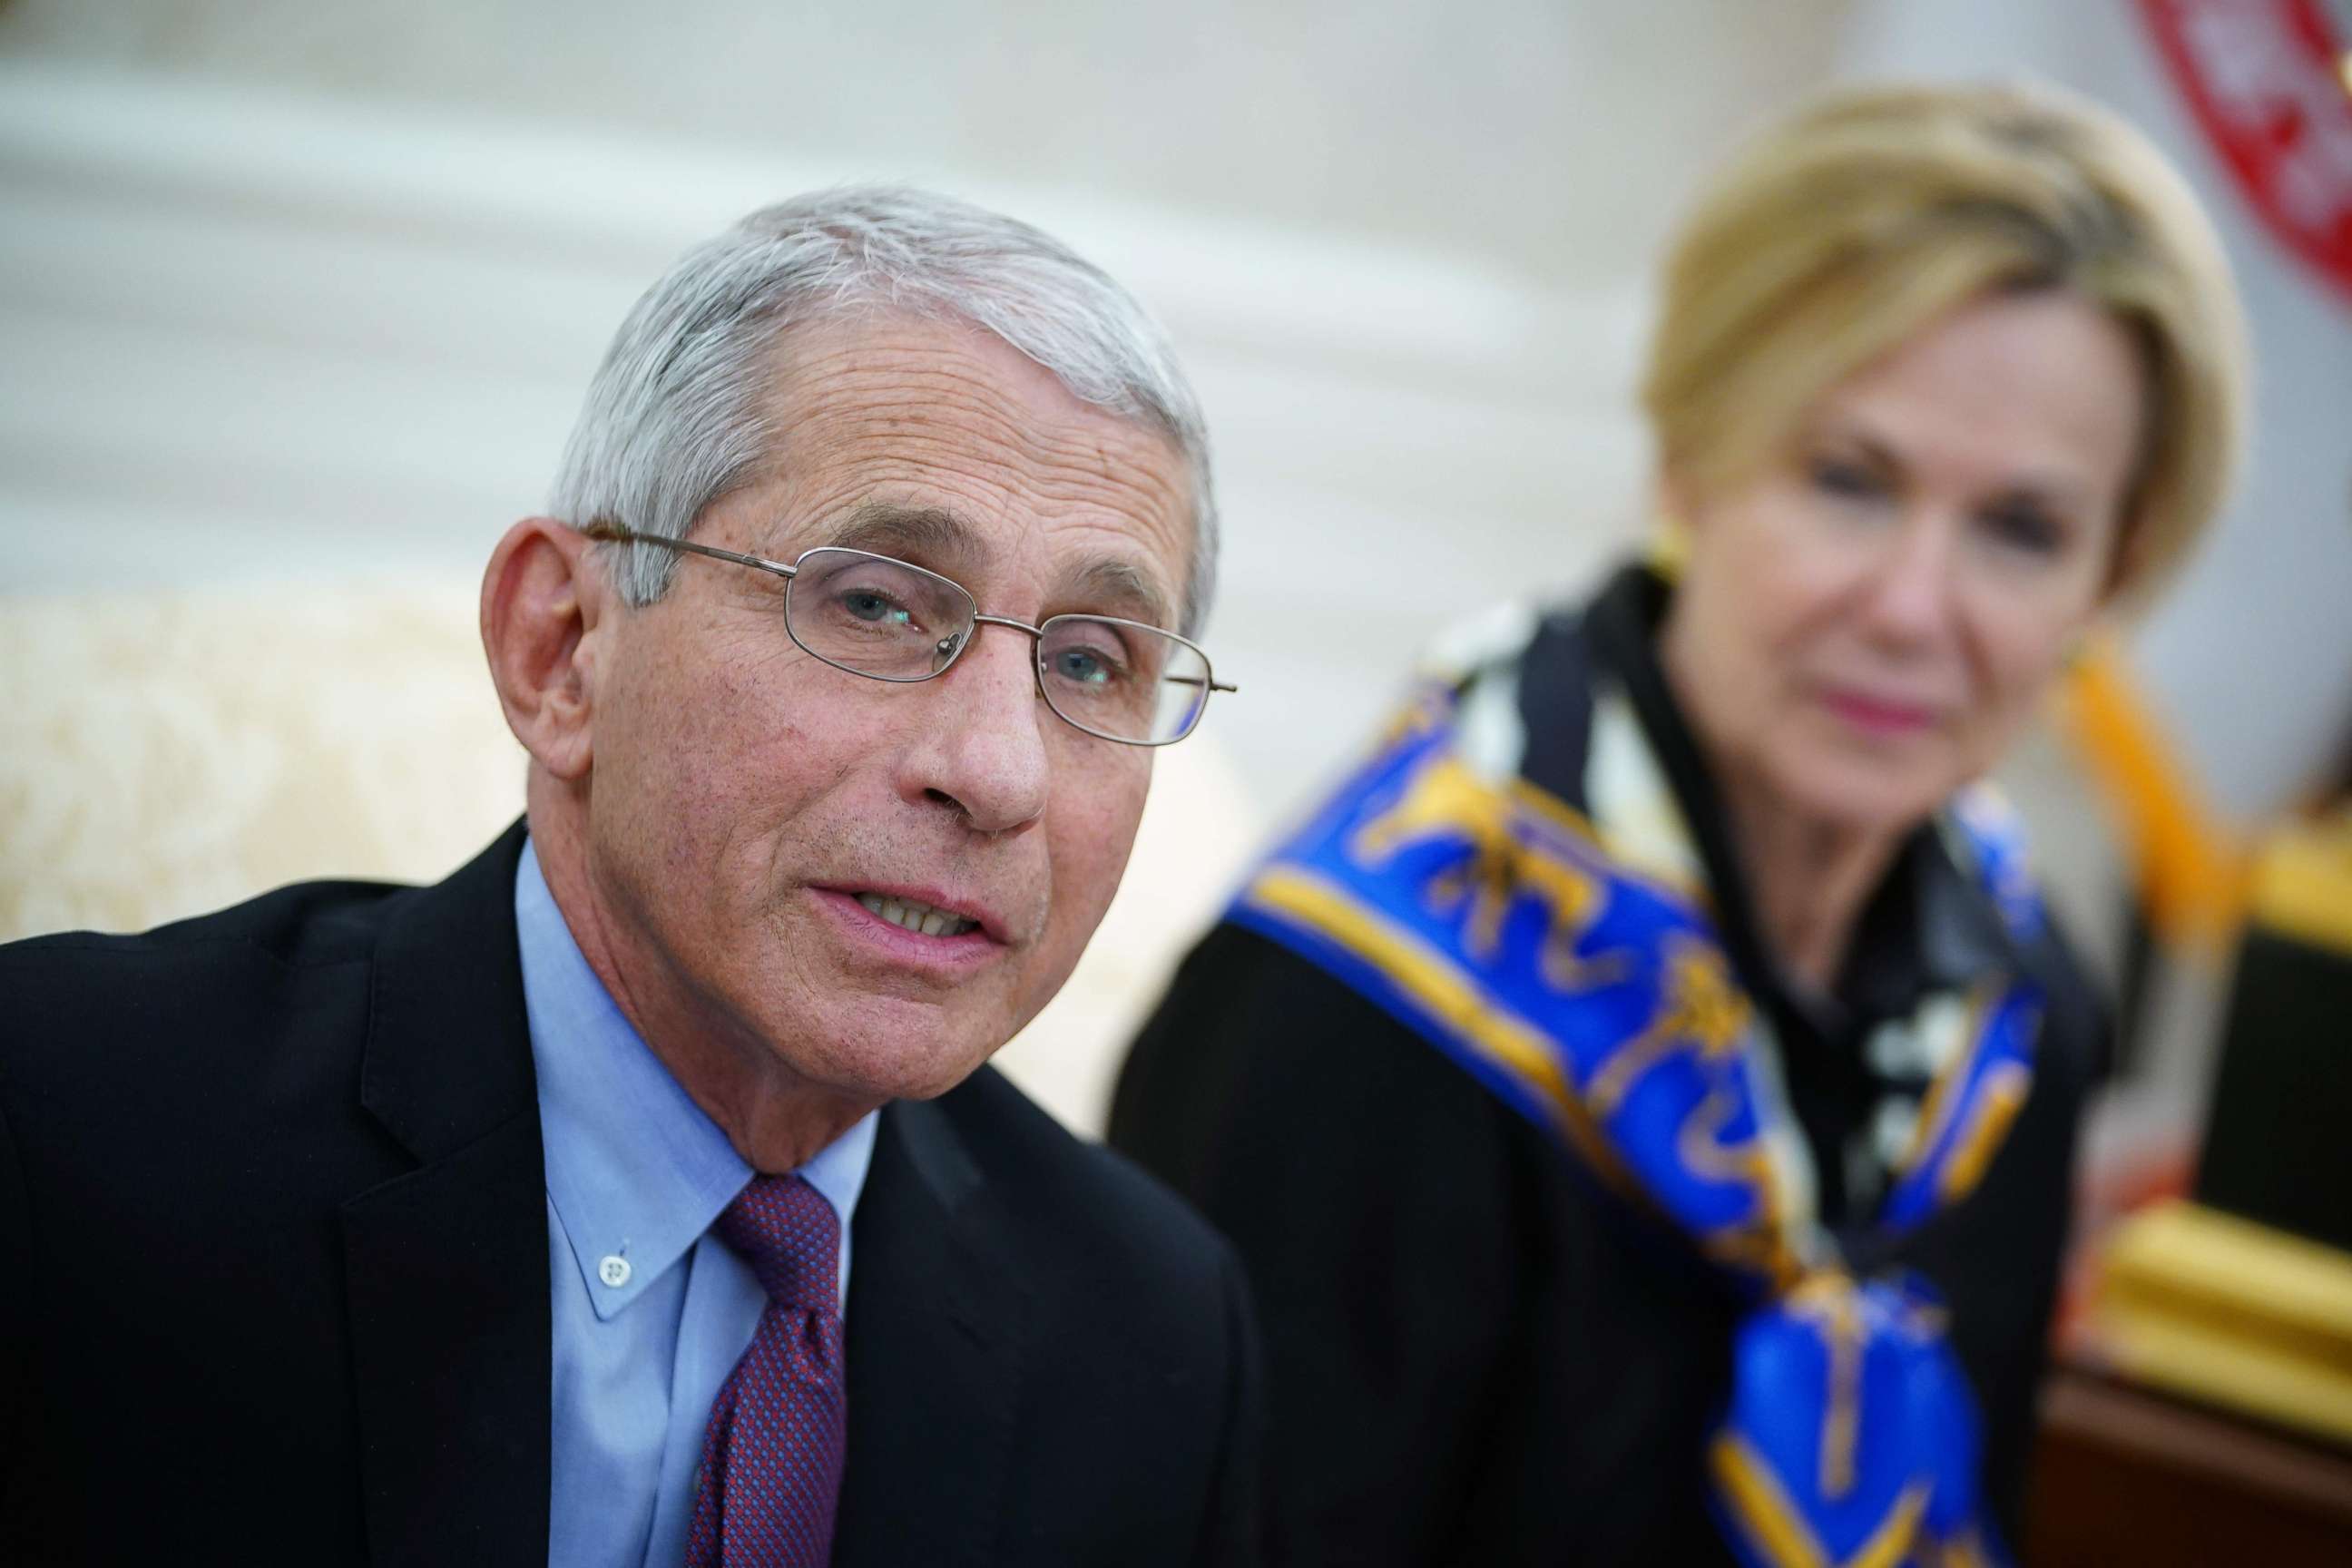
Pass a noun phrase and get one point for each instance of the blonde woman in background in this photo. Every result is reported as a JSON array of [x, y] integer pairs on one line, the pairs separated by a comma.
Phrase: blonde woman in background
[[1645, 1094]]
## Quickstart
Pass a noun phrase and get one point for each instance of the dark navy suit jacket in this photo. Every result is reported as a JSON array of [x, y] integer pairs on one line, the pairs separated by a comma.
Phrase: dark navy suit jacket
[[273, 1202]]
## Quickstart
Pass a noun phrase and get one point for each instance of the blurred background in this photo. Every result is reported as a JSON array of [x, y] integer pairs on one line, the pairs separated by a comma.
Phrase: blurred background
[[297, 302]]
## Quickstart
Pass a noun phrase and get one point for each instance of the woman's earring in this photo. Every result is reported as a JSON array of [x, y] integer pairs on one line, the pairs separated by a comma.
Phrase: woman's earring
[[1669, 546]]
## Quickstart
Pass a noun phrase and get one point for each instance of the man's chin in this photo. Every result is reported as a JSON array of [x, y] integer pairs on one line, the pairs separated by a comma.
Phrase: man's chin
[[880, 1089], [913, 1064]]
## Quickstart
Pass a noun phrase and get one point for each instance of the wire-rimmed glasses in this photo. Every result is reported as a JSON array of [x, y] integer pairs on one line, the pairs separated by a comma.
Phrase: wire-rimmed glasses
[[886, 619]]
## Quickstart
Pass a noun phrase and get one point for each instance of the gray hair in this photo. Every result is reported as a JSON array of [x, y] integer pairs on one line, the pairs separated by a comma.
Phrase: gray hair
[[674, 418]]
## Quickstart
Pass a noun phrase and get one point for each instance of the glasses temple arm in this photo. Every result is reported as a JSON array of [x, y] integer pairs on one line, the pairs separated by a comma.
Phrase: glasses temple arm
[[613, 534]]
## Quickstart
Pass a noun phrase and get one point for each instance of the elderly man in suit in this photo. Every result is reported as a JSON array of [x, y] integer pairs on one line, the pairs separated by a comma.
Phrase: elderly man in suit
[[640, 1195]]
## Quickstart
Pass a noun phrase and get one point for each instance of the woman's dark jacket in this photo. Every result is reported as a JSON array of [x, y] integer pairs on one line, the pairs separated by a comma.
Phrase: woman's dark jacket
[[1476, 1354]]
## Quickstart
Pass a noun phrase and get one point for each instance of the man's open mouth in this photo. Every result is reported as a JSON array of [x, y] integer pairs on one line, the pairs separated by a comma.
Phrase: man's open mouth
[[918, 917]]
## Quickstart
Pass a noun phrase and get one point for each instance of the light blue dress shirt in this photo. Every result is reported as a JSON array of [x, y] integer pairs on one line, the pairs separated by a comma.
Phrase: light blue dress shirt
[[651, 1311]]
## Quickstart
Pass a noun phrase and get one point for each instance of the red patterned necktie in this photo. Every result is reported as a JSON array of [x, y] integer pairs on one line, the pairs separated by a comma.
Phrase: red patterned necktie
[[771, 1455]]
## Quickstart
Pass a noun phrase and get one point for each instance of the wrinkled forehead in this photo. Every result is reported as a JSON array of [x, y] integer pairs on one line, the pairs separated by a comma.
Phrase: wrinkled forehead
[[940, 443]]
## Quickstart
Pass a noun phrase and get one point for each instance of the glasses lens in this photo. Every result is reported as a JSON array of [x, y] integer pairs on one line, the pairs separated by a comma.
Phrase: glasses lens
[[876, 615], [1117, 679]]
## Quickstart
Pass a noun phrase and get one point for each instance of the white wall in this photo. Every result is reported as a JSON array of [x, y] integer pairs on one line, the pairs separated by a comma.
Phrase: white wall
[[1538, 133]]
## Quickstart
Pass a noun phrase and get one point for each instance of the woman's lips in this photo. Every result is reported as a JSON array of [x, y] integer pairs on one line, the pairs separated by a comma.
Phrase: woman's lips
[[1875, 715]]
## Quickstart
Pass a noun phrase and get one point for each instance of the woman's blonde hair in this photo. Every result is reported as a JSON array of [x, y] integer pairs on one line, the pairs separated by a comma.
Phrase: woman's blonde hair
[[1848, 228]]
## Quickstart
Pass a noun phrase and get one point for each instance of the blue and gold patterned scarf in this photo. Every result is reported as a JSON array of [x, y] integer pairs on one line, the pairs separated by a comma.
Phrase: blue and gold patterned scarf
[[1568, 960]]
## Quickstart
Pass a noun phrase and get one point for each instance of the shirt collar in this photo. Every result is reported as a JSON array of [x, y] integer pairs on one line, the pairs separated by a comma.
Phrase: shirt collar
[[636, 1170]]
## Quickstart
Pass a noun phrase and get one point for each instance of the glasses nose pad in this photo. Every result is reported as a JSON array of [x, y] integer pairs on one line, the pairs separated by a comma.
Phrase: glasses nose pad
[[943, 652]]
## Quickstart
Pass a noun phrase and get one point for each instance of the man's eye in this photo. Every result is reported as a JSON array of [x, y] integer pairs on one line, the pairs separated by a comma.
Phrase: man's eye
[[1083, 666], [875, 609]]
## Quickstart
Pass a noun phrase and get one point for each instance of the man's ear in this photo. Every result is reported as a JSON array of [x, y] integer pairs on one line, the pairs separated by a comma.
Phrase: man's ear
[[542, 600]]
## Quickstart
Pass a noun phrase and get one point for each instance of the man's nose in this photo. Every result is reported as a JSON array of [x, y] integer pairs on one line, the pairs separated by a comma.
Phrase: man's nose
[[985, 753]]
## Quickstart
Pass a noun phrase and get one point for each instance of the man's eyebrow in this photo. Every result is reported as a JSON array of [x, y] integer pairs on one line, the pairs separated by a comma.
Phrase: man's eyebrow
[[929, 535], [924, 532], [1110, 585]]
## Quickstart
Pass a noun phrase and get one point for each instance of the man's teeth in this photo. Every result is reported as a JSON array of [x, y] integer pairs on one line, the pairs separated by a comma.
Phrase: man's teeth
[[915, 917]]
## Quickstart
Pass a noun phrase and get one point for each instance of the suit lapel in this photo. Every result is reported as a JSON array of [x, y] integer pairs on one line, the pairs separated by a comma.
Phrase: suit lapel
[[447, 1267], [935, 1338]]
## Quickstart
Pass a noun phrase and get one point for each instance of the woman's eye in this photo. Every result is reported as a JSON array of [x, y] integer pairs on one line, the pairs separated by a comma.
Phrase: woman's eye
[[2024, 528], [1836, 477]]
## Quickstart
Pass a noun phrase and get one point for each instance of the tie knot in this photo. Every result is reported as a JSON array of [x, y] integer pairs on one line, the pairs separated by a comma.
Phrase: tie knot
[[788, 1233]]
